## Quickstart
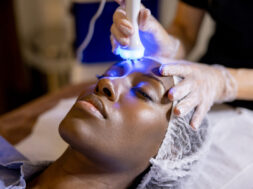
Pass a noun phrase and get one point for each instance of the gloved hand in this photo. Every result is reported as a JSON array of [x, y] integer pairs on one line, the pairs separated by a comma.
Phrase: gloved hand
[[156, 40], [202, 85]]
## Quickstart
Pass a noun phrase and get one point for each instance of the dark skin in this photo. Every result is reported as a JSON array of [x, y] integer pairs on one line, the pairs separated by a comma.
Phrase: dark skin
[[111, 146]]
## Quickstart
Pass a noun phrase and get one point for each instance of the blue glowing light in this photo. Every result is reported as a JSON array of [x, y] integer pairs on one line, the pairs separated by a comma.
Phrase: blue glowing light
[[126, 53], [139, 65]]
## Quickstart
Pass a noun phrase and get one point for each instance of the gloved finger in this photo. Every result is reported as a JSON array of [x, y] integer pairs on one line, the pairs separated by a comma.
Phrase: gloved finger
[[143, 19], [127, 31], [122, 23], [198, 115], [175, 69], [181, 90], [186, 105], [120, 38], [114, 43]]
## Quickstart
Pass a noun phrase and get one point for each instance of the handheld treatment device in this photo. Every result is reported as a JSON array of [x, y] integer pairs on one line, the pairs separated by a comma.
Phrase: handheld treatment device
[[135, 50]]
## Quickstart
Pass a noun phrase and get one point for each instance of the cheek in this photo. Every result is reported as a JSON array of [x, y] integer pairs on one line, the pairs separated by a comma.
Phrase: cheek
[[142, 131], [148, 127]]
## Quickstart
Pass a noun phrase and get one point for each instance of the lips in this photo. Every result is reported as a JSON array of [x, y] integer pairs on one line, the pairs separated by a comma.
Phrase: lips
[[96, 102]]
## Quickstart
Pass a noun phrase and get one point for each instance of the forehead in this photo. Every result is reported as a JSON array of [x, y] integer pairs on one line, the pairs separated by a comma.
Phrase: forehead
[[143, 66]]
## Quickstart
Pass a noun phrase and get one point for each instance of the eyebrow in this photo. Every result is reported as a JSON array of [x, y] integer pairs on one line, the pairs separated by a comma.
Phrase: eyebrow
[[155, 78]]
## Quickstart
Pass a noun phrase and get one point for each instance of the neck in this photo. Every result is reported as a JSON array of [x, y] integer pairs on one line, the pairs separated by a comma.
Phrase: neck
[[73, 170]]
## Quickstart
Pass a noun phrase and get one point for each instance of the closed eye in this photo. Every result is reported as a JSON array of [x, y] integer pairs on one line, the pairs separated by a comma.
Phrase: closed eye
[[141, 94]]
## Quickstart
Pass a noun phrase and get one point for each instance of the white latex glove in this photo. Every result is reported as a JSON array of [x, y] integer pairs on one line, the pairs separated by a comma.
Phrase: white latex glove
[[156, 40], [201, 87]]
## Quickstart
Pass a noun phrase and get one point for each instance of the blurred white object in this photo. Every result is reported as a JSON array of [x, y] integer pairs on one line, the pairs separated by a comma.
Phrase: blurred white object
[[46, 33], [36, 15], [51, 53]]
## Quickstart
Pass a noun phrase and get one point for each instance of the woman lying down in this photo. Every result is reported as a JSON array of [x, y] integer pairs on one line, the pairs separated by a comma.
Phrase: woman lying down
[[120, 135]]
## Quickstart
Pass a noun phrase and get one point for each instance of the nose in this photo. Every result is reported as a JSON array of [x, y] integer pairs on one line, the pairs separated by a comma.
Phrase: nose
[[106, 88]]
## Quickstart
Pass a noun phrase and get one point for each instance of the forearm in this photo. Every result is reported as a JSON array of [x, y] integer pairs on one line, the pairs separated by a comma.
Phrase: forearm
[[186, 27], [170, 44], [185, 44], [244, 80]]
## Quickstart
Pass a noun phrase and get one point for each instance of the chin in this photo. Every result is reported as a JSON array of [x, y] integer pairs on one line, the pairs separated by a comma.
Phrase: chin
[[73, 130], [66, 130]]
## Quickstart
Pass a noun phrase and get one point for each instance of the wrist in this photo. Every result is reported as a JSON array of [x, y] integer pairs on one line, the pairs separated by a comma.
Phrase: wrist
[[229, 86]]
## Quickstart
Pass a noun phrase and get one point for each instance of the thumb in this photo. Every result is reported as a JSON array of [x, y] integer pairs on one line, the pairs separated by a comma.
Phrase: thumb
[[114, 44]]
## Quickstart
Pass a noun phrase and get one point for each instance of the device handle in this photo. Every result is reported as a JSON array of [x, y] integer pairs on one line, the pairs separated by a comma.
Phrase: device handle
[[132, 13]]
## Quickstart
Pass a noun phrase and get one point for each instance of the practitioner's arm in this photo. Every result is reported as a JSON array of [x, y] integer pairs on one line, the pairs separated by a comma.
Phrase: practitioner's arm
[[186, 26], [244, 80]]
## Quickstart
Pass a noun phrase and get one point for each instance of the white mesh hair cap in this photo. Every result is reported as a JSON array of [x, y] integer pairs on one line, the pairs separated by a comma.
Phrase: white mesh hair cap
[[179, 152]]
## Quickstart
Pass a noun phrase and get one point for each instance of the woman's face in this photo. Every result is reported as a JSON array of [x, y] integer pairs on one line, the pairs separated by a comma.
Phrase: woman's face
[[122, 122]]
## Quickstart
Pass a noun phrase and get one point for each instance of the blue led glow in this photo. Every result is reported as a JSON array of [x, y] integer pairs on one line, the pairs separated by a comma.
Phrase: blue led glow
[[139, 65], [126, 53]]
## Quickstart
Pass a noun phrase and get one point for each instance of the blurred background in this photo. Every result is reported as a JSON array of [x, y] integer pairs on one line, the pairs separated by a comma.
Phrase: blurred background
[[38, 39]]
